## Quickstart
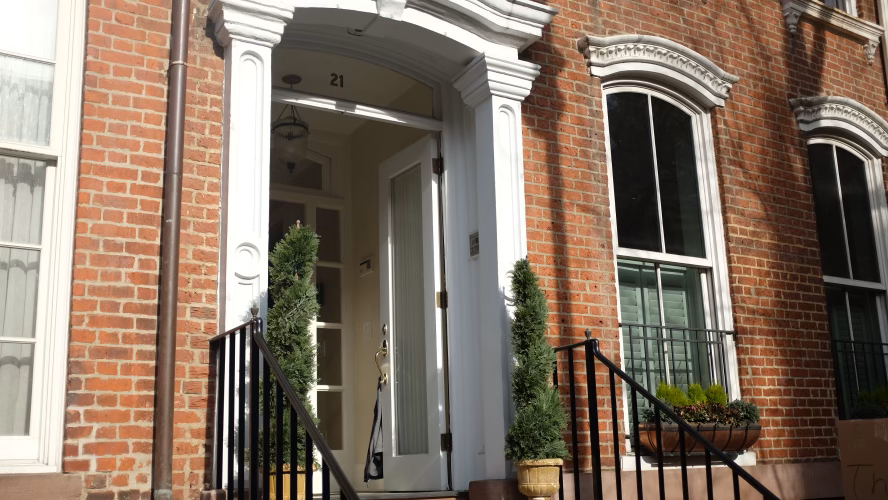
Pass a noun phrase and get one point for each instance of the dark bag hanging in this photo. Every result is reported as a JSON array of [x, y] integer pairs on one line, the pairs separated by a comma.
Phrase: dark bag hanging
[[373, 467]]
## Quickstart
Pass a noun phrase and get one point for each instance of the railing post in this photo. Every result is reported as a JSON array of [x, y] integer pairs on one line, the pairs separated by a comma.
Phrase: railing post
[[254, 415], [242, 414], [573, 422], [219, 434], [592, 404]]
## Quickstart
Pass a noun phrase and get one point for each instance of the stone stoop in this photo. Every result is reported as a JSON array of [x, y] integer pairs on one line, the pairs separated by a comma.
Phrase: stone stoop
[[804, 481]]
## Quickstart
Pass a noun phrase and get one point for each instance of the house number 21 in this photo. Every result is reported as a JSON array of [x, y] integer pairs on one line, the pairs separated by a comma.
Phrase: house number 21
[[337, 80]]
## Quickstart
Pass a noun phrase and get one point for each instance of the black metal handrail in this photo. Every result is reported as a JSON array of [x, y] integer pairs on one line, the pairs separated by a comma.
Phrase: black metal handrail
[[859, 366], [702, 359], [226, 350], [593, 356]]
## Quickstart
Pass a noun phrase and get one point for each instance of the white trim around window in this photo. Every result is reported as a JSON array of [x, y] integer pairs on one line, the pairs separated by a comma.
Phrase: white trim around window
[[718, 313], [40, 451]]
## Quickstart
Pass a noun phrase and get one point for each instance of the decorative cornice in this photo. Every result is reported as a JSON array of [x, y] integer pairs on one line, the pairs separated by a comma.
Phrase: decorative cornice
[[488, 76], [864, 32], [829, 112], [658, 58], [257, 21], [512, 23]]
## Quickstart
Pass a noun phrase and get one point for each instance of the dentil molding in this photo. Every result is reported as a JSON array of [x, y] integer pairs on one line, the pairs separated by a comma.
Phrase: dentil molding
[[829, 112], [657, 58], [864, 32]]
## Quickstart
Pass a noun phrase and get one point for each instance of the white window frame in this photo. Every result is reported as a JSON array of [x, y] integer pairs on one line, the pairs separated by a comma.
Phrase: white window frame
[[717, 297], [41, 451], [879, 212]]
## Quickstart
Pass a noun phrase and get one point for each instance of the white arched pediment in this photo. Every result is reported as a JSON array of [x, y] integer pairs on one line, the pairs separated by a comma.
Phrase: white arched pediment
[[510, 24], [825, 113], [658, 59]]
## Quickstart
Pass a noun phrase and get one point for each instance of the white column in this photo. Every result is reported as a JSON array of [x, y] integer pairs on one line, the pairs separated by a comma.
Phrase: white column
[[494, 89], [248, 31]]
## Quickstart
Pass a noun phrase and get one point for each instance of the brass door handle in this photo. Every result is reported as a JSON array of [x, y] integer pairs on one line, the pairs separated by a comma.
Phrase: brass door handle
[[383, 349]]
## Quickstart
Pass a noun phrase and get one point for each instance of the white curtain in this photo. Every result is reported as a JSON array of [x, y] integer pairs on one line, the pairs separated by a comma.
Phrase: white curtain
[[408, 326], [25, 100], [22, 184]]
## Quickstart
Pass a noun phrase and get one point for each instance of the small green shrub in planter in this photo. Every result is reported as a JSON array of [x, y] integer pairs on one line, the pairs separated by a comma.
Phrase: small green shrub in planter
[[729, 426], [535, 439]]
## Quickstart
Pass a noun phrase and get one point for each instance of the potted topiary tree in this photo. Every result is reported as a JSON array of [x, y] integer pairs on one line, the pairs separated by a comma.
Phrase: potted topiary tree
[[293, 309], [534, 441], [730, 427]]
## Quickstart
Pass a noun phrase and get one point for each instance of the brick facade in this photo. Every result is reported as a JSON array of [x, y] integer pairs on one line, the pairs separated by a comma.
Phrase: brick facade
[[774, 265], [117, 250], [776, 281]]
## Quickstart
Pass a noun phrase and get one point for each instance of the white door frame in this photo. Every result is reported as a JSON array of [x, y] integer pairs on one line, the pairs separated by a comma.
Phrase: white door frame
[[479, 104]]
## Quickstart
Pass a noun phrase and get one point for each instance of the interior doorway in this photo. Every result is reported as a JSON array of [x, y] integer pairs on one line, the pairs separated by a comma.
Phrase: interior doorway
[[363, 180]]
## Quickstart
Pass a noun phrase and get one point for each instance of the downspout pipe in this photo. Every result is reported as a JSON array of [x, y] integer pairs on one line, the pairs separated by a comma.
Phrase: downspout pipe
[[165, 377]]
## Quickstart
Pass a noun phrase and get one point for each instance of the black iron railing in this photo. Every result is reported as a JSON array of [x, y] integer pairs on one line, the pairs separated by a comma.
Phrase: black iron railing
[[588, 352], [675, 355], [244, 433], [859, 366]]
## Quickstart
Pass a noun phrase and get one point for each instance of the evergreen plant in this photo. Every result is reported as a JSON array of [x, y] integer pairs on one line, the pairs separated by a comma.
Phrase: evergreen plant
[[294, 308], [540, 420]]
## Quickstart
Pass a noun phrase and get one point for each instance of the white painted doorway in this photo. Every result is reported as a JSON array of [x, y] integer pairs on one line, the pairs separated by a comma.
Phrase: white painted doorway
[[413, 405]]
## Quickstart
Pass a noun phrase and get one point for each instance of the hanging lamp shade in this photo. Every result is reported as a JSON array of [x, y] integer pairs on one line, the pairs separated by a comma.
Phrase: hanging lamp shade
[[290, 137], [290, 134]]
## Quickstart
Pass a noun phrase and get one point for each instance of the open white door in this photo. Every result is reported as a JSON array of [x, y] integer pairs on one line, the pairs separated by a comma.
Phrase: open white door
[[412, 399]]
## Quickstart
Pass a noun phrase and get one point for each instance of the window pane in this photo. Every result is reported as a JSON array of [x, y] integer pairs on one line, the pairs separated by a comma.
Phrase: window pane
[[635, 188], [281, 217], [828, 209], [25, 100], [860, 357], [328, 231], [329, 356], [677, 170], [16, 372], [19, 271], [673, 351], [329, 283], [22, 182], [29, 28], [330, 418], [858, 217]]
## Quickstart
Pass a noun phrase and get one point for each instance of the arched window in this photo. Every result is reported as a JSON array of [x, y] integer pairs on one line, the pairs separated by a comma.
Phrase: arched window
[[845, 146], [667, 234], [674, 303]]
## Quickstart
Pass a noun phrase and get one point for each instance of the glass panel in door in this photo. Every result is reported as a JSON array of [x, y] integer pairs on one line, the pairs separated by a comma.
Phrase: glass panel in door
[[408, 325]]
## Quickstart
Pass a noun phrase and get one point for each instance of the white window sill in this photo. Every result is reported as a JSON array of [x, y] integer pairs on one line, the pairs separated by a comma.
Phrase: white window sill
[[864, 32]]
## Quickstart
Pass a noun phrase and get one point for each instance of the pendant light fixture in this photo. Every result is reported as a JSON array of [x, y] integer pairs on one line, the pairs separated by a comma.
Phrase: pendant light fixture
[[290, 133]]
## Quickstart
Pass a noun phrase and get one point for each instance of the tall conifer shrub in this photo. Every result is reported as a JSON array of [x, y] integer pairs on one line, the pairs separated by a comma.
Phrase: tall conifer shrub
[[295, 306], [540, 419]]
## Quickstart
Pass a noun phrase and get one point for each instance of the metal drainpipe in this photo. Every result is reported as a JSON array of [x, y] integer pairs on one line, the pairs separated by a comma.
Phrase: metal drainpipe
[[165, 377]]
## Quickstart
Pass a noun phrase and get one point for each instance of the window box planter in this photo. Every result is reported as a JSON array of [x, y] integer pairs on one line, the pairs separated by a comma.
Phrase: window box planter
[[727, 438]]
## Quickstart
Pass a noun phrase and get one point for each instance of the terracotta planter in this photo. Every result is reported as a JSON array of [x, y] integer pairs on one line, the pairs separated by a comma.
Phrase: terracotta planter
[[728, 438], [538, 479]]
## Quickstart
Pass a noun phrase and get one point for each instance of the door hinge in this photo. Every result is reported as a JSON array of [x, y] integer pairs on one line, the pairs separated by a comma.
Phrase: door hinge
[[447, 442], [441, 299], [438, 165]]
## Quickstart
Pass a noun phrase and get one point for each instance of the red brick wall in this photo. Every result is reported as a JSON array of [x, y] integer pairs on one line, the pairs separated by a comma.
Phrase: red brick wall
[[114, 314], [774, 263]]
